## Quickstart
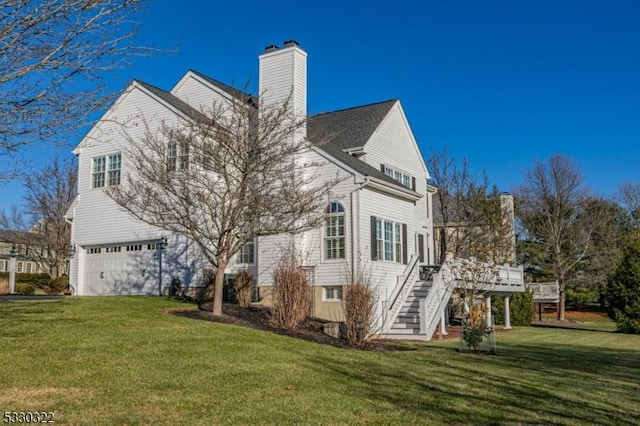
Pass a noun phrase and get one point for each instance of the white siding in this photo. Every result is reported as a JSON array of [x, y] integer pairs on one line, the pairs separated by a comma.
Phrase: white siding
[[283, 73], [199, 93], [329, 272], [98, 221], [393, 144], [374, 203]]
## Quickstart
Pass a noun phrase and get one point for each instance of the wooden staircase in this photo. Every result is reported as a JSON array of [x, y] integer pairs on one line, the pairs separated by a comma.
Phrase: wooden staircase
[[422, 293], [407, 323]]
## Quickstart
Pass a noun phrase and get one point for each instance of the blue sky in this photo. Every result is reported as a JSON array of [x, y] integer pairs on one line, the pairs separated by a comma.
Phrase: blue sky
[[503, 83]]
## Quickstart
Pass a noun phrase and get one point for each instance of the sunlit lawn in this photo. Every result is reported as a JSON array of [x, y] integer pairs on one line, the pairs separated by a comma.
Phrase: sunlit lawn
[[123, 361]]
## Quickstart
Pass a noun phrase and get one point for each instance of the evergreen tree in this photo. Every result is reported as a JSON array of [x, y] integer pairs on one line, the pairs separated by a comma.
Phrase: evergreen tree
[[623, 289]]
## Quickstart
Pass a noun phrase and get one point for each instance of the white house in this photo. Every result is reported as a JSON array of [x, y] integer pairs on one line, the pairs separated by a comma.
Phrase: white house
[[378, 219]]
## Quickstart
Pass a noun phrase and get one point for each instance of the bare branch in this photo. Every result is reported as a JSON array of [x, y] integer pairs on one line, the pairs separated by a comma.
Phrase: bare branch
[[53, 59], [238, 172]]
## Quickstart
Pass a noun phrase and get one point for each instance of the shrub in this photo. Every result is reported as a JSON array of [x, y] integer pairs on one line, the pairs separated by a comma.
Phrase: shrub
[[291, 292], [56, 285], [358, 303], [474, 327], [175, 288], [36, 279], [23, 288], [582, 297], [243, 288], [208, 284], [520, 306], [623, 290]]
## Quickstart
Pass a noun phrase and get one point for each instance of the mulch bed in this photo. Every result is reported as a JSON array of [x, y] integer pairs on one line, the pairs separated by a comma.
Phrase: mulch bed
[[258, 318]]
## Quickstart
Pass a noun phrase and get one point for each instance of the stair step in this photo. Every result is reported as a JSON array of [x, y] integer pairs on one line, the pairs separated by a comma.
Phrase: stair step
[[405, 331], [407, 319]]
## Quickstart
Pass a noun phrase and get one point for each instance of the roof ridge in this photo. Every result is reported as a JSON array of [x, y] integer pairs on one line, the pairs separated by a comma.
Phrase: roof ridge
[[355, 107], [224, 86], [172, 99]]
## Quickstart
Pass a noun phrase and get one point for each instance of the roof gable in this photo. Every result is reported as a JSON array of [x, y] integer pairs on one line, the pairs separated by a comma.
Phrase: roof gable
[[338, 132], [172, 100], [235, 93], [348, 128]]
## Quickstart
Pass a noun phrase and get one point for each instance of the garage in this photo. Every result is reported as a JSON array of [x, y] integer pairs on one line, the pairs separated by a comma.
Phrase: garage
[[130, 268]]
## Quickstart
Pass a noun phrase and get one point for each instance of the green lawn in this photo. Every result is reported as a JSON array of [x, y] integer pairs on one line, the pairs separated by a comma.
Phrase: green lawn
[[122, 361]]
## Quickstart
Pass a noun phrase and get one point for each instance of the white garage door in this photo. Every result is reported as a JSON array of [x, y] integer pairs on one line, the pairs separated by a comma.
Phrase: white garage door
[[121, 269]]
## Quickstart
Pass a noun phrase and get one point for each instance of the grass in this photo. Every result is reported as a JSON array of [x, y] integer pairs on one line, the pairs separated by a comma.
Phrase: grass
[[123, 361]]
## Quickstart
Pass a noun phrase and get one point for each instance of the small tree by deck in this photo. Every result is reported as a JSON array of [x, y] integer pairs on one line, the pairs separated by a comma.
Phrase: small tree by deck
[[229, 174], [471, 218], [474, 278]]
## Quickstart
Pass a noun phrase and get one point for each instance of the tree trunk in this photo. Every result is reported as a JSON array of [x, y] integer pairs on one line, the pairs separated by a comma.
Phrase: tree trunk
[[562, 302], [218, 286]]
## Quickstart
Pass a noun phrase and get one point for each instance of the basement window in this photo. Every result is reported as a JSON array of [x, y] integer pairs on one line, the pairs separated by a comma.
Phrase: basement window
[[332, 294]]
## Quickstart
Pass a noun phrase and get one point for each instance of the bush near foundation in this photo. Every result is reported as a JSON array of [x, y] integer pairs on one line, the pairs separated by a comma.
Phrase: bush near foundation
[[22, 288], [291, 294]]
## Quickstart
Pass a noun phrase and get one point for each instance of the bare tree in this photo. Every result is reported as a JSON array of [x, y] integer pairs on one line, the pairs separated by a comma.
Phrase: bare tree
[[629, 198], [471, 218], [53, 59], [49, 192], [555, 213], [597, 266], [13, 220], [235, 172]]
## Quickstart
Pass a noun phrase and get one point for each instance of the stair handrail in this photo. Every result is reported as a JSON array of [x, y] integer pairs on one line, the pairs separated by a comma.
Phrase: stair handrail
[[443, 285], [402, 288]]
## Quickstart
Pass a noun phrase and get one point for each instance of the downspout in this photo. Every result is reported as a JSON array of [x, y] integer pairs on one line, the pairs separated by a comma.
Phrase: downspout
[[353, 228]]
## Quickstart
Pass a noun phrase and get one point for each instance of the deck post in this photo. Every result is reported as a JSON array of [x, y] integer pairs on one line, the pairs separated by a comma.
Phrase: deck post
[[488, 319], [443, 326], [507, 314]]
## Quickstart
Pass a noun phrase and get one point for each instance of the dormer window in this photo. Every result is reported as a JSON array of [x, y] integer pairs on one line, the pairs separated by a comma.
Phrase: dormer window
[[402, 178]]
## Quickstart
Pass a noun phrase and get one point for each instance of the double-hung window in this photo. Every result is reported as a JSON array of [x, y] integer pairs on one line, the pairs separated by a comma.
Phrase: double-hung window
[[115, 166], [334, 241], [106, 170], [247, 252], [388, 240], [99, 166], [177, 157]]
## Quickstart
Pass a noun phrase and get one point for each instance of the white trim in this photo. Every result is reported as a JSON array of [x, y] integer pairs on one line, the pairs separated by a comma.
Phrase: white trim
[[338, 293]]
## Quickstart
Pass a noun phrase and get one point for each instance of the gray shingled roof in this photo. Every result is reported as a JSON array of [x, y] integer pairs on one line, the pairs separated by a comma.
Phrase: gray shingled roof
[[349, 128], [238, 94], [180, 105], [335, 132]]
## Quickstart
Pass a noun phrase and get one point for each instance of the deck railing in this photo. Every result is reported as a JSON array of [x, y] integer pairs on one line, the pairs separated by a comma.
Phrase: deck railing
[[545, 292]]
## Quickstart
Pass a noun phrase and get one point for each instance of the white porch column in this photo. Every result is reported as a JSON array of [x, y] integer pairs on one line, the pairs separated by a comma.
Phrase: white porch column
[[12, 274], [489, 321], [507, 314], [443, 325]]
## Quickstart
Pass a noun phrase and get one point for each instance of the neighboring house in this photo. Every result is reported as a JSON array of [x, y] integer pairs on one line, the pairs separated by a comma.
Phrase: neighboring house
[[378, 218], [460, 231], [26, 249]]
